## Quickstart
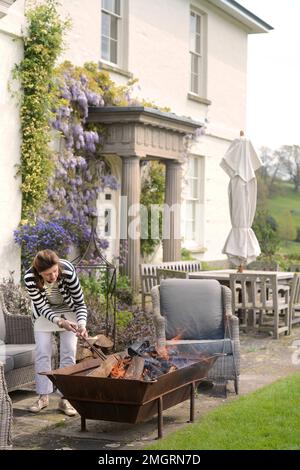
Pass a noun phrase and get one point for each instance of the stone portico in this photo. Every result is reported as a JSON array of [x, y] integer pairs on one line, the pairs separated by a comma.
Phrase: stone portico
[[137, 134]]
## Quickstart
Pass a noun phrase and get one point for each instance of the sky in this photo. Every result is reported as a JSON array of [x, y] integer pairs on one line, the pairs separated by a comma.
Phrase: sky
[[273, 105]]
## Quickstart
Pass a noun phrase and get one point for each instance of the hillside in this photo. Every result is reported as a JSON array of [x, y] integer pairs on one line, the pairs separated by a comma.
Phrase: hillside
[[286, 199]]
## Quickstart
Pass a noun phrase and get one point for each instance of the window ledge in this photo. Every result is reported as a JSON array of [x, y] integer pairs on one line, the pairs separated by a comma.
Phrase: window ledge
[[115, 69], [193, 97]]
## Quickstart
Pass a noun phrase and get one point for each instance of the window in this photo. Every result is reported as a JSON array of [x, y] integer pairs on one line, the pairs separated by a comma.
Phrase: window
[[107, 226], [110, 30], [197, 48], [194, 203]]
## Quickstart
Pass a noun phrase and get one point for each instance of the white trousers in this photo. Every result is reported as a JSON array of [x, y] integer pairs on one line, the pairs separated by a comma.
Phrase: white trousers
[[43, 341]]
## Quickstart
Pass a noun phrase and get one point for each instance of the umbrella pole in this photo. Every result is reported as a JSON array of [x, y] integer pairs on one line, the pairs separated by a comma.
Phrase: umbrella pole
[[240, 268]]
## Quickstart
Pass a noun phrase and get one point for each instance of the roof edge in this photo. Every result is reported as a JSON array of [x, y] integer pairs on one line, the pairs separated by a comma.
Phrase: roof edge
[[249, 19]]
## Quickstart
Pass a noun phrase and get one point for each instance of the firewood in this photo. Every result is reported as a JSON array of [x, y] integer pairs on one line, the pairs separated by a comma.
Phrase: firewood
[[105, 369], [136, 368], [92, 339], [83, 353], [103, 342]]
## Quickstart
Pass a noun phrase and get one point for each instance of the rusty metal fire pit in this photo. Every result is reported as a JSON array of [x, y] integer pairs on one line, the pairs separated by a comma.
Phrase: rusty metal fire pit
[[126, 400]]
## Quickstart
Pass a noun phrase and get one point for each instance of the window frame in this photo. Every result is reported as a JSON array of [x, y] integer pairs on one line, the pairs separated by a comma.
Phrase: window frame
[[201, 55], [197, 240], [122, 36]]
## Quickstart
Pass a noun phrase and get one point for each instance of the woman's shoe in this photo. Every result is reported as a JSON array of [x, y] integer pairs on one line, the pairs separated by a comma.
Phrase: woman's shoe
[[39, 404], [66, 407]]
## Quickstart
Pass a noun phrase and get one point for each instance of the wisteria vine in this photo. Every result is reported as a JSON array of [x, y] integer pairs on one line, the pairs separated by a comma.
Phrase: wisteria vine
[[80, 173]]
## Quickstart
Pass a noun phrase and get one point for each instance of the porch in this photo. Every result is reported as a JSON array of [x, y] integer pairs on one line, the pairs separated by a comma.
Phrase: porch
[[138, 134]]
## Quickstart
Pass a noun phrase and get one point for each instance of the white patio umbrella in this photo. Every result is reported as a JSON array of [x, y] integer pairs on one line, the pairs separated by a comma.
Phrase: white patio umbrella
[[240, 163]]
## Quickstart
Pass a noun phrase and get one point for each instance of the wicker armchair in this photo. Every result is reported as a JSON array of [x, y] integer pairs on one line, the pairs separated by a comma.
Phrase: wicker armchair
[[17, 348], [5, 413], [200, 311]]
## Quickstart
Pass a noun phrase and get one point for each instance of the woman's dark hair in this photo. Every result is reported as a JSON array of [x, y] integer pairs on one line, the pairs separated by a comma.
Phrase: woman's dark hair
[[44, 260]]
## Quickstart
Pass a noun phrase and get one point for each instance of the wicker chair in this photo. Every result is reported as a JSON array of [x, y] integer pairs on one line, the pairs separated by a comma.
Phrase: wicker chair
[[200, 311], [17, 348], [6, 413]]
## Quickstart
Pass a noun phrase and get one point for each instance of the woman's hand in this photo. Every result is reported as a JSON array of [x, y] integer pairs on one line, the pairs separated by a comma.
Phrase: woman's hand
[[67, 325], [81, 331]]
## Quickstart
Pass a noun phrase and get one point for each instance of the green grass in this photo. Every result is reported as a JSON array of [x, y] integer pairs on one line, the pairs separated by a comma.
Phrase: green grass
[[266, 419], [287, 200], [290, 248]]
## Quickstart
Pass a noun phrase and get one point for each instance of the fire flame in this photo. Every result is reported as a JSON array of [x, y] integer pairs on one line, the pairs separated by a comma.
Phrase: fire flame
[[119, 370], [163, 350]]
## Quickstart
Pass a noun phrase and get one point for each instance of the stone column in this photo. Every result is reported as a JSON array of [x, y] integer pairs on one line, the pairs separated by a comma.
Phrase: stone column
[[130, 217], [171, 235]]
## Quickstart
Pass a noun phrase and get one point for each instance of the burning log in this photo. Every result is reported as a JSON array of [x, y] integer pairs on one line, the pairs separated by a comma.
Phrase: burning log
[[136, 368], [138, 348], [119, 370], [144, 362], [106, 367]]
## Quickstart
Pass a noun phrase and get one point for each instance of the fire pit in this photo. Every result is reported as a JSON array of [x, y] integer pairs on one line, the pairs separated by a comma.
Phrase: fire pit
[[124, 399]]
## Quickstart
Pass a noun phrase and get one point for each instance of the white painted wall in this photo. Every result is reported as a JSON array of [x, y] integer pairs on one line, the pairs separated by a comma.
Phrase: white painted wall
[[83, 40], [11, 51]]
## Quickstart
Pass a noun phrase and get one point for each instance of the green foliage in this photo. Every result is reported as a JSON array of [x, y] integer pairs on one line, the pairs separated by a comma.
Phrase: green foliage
[[43, 44], [286, 227], [267, 237], [91, 286], [152, 193], [186, 255], [123, 319], [286, 199], [124, 290]]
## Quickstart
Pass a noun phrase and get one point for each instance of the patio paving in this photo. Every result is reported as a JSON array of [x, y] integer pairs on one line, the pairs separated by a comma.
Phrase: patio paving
[[263, 361]]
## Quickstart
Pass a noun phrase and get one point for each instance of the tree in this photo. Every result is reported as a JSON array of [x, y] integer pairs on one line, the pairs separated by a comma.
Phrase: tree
[[289, 156], [272, 169], [267, 237]]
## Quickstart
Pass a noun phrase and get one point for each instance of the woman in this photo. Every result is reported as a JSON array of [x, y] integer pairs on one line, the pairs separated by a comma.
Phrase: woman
[[57, 305]]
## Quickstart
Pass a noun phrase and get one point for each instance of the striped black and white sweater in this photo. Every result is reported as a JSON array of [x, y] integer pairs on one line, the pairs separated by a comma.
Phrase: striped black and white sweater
[[69, 288]]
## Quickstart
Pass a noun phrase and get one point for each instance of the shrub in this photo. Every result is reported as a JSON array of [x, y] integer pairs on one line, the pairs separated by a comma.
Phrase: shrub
[[124, 290], [186, 255], [15, 296], [134, 325], [54, 235], [266, 235]]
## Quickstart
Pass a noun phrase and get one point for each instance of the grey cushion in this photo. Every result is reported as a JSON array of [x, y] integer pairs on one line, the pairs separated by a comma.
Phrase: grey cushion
[[22, 355], [193, 308], [7, 361]]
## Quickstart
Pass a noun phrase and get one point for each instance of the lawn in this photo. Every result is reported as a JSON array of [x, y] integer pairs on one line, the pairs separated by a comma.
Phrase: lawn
[[266, 419], [289, 248], [287, 200]]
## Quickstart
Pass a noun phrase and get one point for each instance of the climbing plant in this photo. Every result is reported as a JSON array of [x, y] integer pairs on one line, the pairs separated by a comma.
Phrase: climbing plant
[[152, 193], [80, 171], [43, 43]]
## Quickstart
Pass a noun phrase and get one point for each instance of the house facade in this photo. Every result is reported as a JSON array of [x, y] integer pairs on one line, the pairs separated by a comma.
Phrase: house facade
[[189, 56]]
